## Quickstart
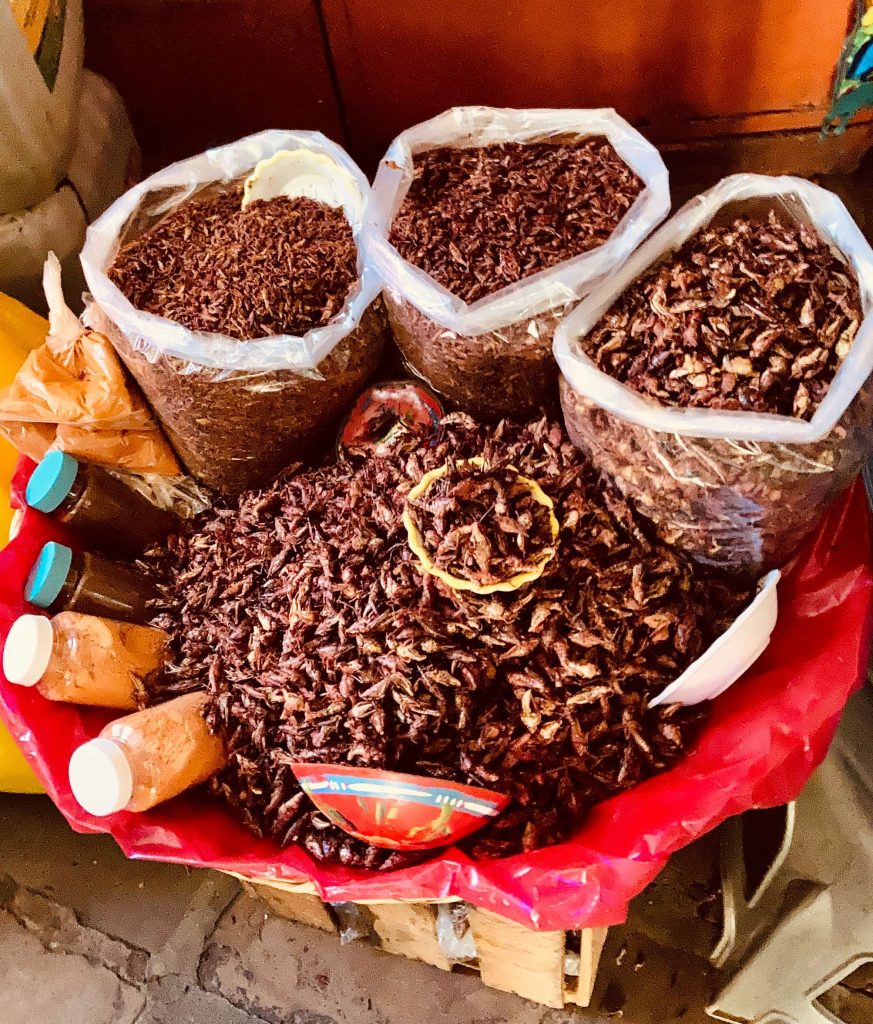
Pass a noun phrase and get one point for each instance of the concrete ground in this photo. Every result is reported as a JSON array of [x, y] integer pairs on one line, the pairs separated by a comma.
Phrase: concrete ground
[[88, 937]]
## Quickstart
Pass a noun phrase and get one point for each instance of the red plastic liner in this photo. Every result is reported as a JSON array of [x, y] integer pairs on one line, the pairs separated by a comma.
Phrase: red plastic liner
[[764, 738]]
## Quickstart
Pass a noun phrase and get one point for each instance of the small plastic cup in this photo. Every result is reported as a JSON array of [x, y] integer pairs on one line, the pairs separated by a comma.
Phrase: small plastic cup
[[418, 547]]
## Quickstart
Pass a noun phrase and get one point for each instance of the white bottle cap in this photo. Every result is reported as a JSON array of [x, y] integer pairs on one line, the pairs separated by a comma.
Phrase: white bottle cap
[[28, 649], [101, 777]]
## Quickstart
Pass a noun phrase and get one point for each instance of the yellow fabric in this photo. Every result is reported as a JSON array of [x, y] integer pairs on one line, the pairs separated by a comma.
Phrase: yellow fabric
[[15, 773], [21, 331]]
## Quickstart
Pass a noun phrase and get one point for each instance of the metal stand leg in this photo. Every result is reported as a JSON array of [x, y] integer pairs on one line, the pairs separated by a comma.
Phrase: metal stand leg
[[746, 918]]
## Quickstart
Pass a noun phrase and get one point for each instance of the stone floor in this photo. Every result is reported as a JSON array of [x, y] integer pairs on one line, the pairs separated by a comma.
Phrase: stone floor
[[88, 937]]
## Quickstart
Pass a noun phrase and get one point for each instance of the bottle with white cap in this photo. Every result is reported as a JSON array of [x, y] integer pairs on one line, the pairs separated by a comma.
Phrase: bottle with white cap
[[143, 759], [80, 581], [84, 659], [99, 506]]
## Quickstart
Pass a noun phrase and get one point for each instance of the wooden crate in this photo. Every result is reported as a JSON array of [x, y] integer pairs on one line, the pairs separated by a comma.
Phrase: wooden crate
[[510, 957]]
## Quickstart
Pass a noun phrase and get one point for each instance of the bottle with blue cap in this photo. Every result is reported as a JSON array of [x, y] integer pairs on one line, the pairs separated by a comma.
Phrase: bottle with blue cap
[[100, 507], [84, 582]]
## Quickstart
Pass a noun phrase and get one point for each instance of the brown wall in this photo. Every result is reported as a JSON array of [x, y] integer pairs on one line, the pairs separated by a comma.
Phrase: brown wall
[[728, 64], [197, 72]]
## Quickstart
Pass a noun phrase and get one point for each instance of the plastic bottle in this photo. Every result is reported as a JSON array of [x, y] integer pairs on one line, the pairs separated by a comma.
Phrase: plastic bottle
[[62, 579], [84, 659], [143, 759], [101, 508]]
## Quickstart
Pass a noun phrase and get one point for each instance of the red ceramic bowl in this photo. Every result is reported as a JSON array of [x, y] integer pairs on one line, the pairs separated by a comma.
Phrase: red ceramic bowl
[[370, 425], [395, 810]]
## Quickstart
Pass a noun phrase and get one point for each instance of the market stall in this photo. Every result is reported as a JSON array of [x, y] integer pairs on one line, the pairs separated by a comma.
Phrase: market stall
[[444, 637]]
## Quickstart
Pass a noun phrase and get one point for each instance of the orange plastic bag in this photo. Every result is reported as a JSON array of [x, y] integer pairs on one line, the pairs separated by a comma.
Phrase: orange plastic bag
[[72, 393]]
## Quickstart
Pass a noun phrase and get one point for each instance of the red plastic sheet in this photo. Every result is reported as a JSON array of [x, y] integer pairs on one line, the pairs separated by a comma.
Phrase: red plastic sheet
[[762, 741]]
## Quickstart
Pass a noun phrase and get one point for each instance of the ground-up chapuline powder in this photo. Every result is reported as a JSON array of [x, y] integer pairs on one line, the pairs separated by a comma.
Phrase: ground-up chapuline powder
[[281, 266]]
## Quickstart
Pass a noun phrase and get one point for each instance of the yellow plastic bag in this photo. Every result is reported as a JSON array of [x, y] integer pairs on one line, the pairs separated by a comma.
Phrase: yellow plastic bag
[[20, 331], [15, 773]]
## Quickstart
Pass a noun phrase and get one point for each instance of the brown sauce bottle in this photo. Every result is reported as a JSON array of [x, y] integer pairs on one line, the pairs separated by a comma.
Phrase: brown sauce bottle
[[99, 507], [62, 579]]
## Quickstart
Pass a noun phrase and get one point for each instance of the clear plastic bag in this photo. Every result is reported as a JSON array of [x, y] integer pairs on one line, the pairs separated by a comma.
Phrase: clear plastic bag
[[737, 490], [355, 922], [454, 934], [180, 494], [237, 412], [492, 357]]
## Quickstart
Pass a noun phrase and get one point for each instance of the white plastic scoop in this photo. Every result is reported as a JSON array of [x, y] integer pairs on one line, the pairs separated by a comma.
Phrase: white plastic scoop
[[301, 173], [735, 651]]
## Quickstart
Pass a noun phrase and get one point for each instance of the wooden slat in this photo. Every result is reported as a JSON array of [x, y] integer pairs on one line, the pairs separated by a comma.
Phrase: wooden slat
[[409, 929], [579, 990], [516, 959], [304, 888], [294, 906], [511, 958]]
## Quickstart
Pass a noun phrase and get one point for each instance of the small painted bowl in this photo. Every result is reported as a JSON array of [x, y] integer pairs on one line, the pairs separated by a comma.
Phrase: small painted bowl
[[395, 810], [380, 412]]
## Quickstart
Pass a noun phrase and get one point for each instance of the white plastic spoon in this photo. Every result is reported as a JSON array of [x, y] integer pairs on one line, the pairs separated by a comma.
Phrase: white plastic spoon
[[735, 651]]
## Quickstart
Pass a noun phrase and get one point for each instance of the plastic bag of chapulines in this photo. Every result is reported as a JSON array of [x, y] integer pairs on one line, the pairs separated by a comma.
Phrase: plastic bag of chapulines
[[487, 225], [249, 329], [721, 378]]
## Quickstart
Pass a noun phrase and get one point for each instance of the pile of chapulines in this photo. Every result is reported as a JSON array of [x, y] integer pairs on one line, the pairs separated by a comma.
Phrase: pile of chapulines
[[756, 315], [479, 219], [303, 612], [280, 266]]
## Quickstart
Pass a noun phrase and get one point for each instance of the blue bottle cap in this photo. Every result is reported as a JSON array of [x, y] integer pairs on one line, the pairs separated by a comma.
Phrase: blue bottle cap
[[48, 574], [51, 481]]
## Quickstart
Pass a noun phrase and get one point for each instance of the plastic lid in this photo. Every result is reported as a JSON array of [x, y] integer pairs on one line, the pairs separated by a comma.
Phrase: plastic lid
[[28, 649], [51, 481], [101, 777], [301, 172], [48, 574]]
